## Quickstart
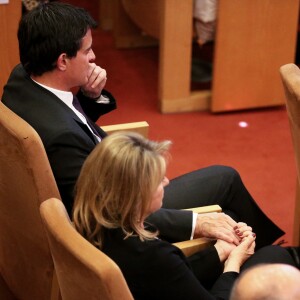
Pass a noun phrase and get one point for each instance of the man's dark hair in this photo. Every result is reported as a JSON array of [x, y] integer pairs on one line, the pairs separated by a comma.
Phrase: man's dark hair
[[50, 30]]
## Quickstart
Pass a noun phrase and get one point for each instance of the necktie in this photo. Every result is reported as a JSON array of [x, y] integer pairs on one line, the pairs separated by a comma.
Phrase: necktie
[[78, 107]]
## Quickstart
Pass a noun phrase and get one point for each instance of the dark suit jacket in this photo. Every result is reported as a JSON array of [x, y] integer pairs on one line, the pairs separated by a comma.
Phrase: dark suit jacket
[[68, 141], [158, 270]]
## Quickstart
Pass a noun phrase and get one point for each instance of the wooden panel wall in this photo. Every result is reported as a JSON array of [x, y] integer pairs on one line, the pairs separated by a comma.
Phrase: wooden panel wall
[[254, 38], [10, 15]]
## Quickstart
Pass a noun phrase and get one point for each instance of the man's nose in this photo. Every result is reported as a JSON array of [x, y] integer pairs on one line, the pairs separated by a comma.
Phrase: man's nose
[[92, 56]]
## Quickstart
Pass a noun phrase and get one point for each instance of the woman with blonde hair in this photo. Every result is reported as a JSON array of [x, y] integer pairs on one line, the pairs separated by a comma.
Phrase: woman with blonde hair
[[121, 183], [120, 177]]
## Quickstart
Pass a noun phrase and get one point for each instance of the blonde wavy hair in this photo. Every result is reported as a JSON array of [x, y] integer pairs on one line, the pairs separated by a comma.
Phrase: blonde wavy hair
[[116, 186]]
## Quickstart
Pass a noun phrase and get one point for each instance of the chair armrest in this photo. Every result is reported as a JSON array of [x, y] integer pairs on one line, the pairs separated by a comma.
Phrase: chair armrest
[[139, 127], [192, 246], [206, 209]]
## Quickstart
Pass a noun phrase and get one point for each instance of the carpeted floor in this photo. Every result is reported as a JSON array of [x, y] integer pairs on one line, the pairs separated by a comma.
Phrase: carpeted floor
[[261, 152]]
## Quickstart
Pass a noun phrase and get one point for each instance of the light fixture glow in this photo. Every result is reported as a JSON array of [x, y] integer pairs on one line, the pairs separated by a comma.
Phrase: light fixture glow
[[243, 124]]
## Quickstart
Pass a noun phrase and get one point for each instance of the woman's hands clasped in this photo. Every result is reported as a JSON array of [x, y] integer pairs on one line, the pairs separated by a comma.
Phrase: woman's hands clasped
[[235, 255], [240, 254]]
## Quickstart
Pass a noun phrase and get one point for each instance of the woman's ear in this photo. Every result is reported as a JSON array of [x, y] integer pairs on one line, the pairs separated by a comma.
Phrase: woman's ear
[[62, 62]]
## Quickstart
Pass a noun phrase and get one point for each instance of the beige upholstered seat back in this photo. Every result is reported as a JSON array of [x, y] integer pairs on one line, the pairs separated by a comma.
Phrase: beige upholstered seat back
[[290, 75], [26, 180], [83, 271]]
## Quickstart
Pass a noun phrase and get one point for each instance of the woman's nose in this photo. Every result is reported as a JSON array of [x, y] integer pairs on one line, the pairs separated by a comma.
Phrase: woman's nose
[[166, 181]]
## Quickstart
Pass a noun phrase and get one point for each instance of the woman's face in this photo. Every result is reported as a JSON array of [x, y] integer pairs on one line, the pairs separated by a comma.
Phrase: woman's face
[[158, 195]]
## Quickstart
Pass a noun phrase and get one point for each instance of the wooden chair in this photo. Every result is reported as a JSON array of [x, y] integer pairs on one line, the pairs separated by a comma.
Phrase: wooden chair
[[138, 127], [26, 180], [290, 75], [83, 271]]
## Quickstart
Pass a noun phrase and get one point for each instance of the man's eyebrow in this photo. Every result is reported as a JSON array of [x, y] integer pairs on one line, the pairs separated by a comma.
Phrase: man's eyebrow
[[88, 48]]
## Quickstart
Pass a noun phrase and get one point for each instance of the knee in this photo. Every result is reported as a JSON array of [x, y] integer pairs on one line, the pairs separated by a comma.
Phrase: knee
[[228, 172], [275, 254], [230, 177], [269, 255]]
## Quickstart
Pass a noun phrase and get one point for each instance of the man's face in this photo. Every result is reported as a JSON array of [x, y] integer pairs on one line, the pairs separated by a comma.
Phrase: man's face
[[79, 68]]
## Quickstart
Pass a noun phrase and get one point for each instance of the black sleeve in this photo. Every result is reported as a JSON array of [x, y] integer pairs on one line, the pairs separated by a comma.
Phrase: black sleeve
[[222, 287], [93, 109], [206, 266], [208, 269], [173, 225], [175, 280]]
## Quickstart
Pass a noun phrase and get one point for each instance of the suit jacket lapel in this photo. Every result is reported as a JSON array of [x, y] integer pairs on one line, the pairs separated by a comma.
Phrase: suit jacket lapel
[[86, 129]]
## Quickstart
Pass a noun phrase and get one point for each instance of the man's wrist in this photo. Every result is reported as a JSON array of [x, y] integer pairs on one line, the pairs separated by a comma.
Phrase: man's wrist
[[90, 95], [103, 99], [100, 99]]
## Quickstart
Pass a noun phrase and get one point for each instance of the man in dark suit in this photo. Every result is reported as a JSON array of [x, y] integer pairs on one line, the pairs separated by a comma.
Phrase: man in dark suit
[[55, 43]]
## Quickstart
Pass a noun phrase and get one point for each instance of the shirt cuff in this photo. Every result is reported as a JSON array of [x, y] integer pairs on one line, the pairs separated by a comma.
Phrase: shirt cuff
[[102, 99], [195, 215]]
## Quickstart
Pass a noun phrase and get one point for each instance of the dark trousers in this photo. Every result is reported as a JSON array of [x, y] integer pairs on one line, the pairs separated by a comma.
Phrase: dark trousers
[[269, 255], [221, 185]]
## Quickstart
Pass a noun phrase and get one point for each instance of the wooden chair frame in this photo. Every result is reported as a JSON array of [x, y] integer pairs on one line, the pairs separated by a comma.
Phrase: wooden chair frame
[[290, 76], [26, 180], [83, 271]]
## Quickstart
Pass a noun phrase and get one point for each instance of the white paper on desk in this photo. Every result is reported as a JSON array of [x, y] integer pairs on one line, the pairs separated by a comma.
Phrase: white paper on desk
[[4, 1]]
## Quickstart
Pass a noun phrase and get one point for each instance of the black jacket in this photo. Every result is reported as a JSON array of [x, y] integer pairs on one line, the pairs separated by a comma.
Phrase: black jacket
[[158, 270]]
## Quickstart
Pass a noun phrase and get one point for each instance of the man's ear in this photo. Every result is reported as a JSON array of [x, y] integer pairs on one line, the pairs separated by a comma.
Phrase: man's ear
[[62, 62]]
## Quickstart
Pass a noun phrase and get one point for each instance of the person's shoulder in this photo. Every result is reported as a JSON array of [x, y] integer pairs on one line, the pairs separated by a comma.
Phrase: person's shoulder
[[20, 86], [18, 72], [19, 68]]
